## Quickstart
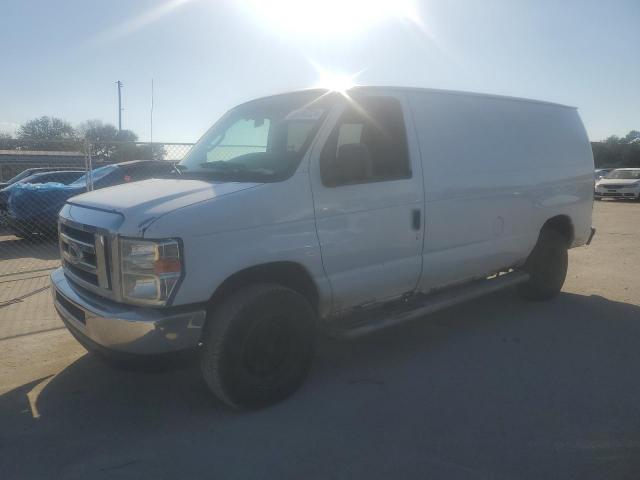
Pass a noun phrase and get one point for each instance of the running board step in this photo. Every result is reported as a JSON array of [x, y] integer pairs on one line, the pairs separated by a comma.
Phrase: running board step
[[373, 319]]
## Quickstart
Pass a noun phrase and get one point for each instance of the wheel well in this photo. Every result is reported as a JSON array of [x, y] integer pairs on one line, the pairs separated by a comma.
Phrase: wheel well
[[561, 224], [289, 274]]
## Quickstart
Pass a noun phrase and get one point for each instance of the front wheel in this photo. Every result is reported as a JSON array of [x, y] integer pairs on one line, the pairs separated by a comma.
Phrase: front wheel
[[23, 234], [258, 346], [547, 267]]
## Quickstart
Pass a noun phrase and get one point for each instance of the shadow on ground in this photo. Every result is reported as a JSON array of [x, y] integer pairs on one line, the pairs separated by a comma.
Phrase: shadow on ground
[[496, 388], [42, 248]]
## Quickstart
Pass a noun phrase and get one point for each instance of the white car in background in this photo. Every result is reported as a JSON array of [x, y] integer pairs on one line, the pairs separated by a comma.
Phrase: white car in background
[[619, 183]]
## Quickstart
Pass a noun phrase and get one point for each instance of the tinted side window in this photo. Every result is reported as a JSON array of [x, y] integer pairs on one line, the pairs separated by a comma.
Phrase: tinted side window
[[51, 177], [368, 144], [70, 177], [144, 171], [40, 179], [112, 178], [130, 174], [155, 170], [62, 177]]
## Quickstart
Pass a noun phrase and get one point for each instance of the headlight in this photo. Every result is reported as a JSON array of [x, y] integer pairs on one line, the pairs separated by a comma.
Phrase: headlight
[[150, 270]]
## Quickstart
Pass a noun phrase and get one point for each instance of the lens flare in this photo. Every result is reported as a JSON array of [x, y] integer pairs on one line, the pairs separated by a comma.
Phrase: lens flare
[[336, 82], [329, 17], [134, 24]]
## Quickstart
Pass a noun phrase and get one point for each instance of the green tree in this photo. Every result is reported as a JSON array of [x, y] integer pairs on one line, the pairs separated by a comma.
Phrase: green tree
[[618, 152], [97, 131], [6, 141], [632, 137], [107, 144], [47, 133]]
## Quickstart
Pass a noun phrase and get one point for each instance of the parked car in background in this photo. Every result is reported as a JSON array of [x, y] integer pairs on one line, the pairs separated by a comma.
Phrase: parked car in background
[[619, 183], [313, 210], [62, 176], [33, 208], [31, 171]]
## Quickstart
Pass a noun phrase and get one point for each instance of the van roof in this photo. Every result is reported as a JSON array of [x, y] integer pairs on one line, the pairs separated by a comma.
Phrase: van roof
[[432, 90]]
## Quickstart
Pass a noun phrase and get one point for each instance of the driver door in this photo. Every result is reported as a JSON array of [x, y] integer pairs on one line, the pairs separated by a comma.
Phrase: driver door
[[369, 202]]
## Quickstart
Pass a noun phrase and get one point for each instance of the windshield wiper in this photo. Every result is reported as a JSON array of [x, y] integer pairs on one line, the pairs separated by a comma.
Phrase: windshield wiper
[[223, 166], [179, 168], [234, 172]]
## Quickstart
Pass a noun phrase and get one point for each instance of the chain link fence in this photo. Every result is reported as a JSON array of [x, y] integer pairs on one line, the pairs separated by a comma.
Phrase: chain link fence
[[36, 179]]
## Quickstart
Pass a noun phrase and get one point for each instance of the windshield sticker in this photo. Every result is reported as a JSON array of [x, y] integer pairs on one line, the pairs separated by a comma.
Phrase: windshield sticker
[[306, 114]]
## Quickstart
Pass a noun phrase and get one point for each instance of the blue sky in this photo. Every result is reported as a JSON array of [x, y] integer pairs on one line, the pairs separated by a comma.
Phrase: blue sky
[[62, 58]]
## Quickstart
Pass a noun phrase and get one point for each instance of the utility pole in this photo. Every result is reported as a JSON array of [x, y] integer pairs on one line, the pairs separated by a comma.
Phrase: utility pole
[[120, 85], [152, 110]]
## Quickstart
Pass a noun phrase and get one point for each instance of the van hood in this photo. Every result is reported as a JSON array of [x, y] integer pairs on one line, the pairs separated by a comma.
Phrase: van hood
[[152, 198]]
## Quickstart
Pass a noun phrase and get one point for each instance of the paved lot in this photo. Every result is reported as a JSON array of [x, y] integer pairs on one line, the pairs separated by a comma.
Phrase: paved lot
[[496, 388]]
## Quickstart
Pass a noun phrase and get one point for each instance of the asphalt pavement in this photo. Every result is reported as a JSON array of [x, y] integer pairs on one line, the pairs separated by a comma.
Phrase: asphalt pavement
[[497, 388]]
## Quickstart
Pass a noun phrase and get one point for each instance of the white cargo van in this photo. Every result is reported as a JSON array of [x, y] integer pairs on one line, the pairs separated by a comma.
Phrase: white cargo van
[[345, 212]]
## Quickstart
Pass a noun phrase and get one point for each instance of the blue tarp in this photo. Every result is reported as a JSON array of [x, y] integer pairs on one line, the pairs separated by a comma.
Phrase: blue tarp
[[42, 202]]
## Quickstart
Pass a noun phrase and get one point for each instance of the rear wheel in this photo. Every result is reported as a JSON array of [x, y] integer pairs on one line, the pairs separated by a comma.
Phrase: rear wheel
[[547, 267], [258, 346]]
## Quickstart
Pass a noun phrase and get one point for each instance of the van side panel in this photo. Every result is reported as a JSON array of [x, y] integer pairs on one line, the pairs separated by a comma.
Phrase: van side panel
[[495, 170]]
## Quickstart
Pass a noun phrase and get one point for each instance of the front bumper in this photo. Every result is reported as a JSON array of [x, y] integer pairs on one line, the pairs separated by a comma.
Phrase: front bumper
[[619, 193], [116, 327]]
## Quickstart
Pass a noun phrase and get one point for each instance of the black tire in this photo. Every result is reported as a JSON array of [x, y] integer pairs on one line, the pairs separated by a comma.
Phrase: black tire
[[258, 346], [23, 234], [547, 266], [597, 199]]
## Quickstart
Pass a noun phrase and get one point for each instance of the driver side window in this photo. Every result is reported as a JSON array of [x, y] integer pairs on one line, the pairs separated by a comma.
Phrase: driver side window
[[368, 144]]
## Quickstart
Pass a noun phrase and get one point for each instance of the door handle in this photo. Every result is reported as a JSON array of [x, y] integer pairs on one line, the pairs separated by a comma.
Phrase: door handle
[[416, 218]]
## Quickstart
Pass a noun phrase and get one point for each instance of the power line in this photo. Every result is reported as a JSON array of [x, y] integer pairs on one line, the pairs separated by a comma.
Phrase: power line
[[152, 111]]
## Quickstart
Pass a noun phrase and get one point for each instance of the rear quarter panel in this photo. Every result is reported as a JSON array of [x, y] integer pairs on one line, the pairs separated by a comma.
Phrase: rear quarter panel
[[495, 170]]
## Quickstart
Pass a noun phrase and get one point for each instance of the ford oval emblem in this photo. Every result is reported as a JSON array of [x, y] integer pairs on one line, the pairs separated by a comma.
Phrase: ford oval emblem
[[75, 254]]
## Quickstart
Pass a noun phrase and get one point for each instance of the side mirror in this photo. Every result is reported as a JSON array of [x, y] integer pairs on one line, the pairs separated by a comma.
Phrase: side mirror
[[352, 164]]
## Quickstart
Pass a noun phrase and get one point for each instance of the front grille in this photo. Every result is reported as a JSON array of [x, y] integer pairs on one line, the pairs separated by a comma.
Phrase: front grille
[[84, 257], [88, 277], [612, 187]]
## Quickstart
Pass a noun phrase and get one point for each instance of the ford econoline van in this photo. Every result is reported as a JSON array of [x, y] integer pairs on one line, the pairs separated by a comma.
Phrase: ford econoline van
[[324, 211]]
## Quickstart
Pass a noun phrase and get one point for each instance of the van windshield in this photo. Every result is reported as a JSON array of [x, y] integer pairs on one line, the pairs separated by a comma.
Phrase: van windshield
[[259, 141]]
